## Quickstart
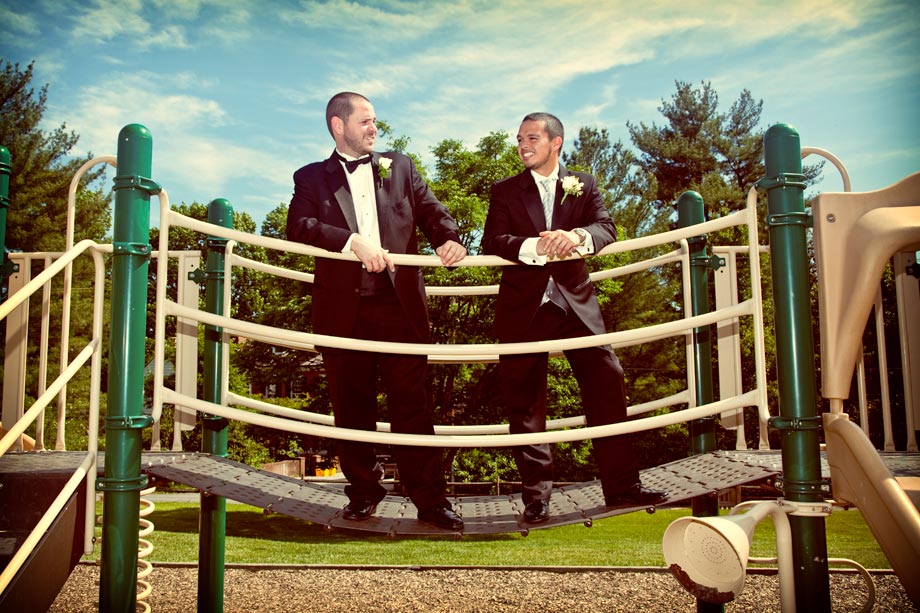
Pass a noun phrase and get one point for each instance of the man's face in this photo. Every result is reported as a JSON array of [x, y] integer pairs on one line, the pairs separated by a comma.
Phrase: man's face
[[355, 136], [535, 148]]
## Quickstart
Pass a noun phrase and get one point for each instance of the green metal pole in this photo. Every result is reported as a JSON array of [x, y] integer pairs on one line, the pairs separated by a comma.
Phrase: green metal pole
[[213, 519], [689, 213], [799, 422], [702, 431], [124, 420], [6, 170]]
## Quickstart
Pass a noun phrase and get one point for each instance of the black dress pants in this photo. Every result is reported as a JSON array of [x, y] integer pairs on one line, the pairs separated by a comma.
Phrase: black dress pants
[[352, 381], [603, 393]]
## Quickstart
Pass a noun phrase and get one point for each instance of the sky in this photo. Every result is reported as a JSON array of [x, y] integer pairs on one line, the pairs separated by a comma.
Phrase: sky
[[234, 91]]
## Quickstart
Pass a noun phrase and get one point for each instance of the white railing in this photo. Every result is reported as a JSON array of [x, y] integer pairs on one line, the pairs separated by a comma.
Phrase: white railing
[[483, 435], [92, 353], [16, 418]]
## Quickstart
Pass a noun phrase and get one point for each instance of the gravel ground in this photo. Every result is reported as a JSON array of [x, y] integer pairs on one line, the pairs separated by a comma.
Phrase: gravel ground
[[322, 590]]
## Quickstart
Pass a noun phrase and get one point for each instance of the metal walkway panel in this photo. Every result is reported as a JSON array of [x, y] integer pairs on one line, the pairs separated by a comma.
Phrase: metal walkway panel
[[322, 503]]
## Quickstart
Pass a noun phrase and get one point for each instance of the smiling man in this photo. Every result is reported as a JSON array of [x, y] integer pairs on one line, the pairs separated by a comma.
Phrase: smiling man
[[370, 204], [547, 218]]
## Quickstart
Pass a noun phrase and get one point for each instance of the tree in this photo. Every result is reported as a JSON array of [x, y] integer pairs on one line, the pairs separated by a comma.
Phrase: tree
[[627, 188], [42, 170], [636, 300], [41, 173], [283, 304], [244, 299]]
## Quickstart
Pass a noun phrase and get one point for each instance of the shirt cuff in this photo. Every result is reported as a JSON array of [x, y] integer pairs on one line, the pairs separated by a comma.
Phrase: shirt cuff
[[588, 247], [347, 247], [528, 252]]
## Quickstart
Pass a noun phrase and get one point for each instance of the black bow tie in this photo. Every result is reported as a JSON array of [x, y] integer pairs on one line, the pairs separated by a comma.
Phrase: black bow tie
[[350, 165]]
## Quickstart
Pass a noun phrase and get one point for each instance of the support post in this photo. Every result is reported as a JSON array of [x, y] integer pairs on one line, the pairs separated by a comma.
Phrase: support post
[[213, 519], [124, 420], [702, 431], [6, 169], [799, 420]]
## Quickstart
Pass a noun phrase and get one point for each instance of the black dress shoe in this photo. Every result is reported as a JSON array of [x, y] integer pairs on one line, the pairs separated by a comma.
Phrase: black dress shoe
[[536, 512], [636, 496], [359, 510], [442, 517]]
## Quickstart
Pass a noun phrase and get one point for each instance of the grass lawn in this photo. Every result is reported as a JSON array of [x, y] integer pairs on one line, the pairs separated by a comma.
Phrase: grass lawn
[[624, 540]]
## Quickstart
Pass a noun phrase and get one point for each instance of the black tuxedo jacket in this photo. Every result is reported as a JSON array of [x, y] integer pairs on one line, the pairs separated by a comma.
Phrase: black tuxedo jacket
[[322, 214], [516, 213]]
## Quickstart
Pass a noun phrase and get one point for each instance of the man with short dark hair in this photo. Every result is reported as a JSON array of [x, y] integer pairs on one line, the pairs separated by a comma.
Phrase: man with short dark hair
[[370, 204], [547, 218]]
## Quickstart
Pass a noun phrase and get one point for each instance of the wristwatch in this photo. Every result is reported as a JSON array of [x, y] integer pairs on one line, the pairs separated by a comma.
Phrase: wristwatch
[[582, 235]]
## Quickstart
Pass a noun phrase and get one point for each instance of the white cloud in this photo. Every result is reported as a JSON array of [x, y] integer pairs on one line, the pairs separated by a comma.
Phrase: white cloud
[[166, 37], [109, 19], [18, 22], [163, 23], [386, 20], [190, 144], [230, 26]]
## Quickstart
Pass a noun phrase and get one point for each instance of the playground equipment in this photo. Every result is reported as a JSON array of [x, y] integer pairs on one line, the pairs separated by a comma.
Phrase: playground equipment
[[855, 236], [123, 480]]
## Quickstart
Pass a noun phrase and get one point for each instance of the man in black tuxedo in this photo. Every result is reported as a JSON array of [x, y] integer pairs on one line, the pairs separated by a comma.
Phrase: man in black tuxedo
[[546, 218], [369, 204]]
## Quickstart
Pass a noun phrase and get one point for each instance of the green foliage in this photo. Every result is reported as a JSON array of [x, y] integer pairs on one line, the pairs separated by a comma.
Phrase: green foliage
[[42, 169]]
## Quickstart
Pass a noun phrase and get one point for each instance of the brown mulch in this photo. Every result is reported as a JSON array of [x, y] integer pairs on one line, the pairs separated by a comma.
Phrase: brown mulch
[[324, 590]]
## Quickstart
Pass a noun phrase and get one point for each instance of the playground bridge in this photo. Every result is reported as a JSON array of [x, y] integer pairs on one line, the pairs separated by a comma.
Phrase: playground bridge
[[803, 480]]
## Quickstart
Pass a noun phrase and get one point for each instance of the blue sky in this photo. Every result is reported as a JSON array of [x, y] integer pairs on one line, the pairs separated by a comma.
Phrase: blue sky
[[234, 91]]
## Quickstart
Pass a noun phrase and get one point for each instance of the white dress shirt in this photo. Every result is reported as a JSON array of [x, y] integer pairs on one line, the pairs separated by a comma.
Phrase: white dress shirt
[[364, 195], [528, 253]]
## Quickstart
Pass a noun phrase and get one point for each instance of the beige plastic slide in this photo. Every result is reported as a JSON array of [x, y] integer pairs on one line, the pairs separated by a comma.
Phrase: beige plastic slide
[[859, 477], [855, 236]]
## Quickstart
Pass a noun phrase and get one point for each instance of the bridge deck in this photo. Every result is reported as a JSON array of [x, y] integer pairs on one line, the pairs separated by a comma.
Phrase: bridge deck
[[321, 502]]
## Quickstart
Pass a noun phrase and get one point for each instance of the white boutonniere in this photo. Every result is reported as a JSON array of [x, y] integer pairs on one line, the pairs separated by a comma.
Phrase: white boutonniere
[[383, 167], [571, 186]]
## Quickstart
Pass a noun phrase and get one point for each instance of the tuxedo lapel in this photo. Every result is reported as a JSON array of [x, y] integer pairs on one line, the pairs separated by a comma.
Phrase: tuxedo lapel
[[560, 211], [532, 201], [382, 192], [338, 185]]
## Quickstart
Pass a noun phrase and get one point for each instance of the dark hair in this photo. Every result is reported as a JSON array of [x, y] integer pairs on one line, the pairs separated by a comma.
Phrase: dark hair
[[340, 105], [551, 122]]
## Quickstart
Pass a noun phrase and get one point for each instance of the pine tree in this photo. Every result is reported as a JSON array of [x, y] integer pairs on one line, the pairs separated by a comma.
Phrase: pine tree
[[42, 169]]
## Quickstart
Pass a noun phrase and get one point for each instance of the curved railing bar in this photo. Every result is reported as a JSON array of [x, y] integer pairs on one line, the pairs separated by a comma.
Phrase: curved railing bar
[[760, 367], [44, 276], [235, 259], [271, 335], [628, 269], [60, 443], [382, 426], [672, 236], [465, 290], [17, 429], [225, 336], [806, 151], [91, 350], [159, 329], [437, 440], [686, 285], [43, 358], [305, 340]]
